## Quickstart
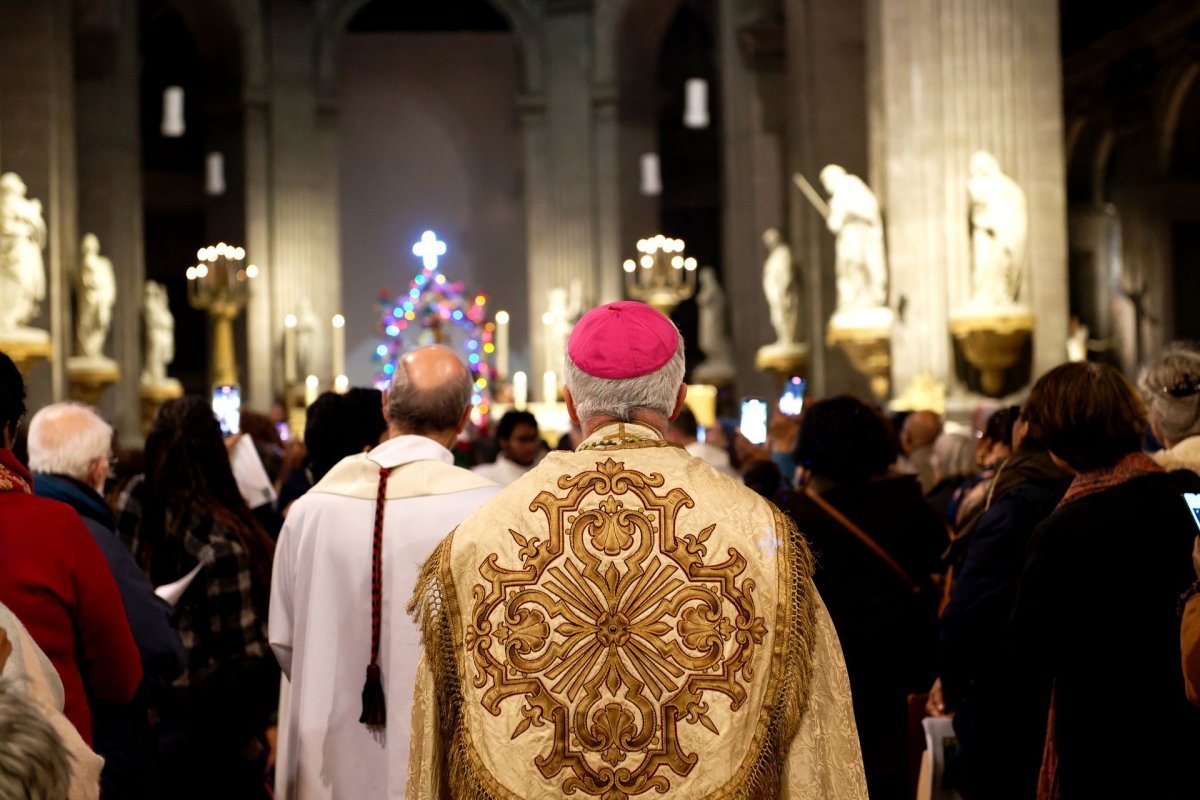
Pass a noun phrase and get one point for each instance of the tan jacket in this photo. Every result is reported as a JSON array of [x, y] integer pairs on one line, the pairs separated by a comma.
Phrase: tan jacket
[[626, 622], [1190, 641]]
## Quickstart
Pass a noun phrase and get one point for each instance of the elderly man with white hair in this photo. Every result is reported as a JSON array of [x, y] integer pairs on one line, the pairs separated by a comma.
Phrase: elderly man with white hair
[[626, 621], [70, 449]]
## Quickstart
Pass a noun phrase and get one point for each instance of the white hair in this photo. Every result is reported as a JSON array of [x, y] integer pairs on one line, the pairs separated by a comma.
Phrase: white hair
[[34, 763], [1171, 388], [620, 397], [66, 439]]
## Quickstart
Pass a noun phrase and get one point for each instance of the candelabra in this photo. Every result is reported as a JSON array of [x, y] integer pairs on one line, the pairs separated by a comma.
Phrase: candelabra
[[220, 286], [662, 276]]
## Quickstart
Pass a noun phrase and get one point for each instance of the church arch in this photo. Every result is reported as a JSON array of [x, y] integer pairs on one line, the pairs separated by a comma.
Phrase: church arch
[[334, 15]]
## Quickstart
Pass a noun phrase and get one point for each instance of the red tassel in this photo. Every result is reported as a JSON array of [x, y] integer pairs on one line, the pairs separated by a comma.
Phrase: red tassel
[[374, 710]]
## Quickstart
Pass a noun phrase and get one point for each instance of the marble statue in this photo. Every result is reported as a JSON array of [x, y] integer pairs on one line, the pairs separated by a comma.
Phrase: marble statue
[[306, 331], [563, 307], [95, 294], [999, 222], [861, 265], [781, 285], [22, 239], [717, 366], [160, 334]]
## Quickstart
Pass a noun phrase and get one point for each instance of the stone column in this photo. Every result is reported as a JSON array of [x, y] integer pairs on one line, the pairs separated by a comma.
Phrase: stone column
[[291, 202], [110, 191], [751, 59], [827, 123], [37, 141], [955, 76], [561, 183]]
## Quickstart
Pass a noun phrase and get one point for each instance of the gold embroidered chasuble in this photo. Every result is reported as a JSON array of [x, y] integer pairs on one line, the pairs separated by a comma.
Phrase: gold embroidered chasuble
[[626, 622]]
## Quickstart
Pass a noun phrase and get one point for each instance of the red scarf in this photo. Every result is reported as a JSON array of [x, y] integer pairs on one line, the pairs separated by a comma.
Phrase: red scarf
[[1132, 466], [13, 475]]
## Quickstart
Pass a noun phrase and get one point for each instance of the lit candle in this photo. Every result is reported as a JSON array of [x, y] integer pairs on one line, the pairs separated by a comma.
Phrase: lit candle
[[520, 387], [311, 386], [501, 344], [341, 384], [549, 386], [289, 350], [339, 345]]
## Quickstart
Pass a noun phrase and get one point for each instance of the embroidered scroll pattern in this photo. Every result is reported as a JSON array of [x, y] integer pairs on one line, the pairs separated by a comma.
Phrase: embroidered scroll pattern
[[613, 631]]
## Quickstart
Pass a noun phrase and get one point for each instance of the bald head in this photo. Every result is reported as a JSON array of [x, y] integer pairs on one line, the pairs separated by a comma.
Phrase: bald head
[[921, 428], [70, 439], [430, 392]]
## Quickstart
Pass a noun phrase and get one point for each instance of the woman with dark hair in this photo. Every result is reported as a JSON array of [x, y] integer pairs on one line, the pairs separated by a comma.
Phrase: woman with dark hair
[[185, 520], [1096, 611], [876, 544]]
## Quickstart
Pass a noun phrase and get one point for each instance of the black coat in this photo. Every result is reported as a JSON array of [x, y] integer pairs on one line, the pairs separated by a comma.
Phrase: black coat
[[1096, 613], [999, 724], [887, 634]]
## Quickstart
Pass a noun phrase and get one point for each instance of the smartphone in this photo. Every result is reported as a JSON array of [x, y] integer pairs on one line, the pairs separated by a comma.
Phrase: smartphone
[[753, 423], [791, 402], [227, 407], [285, 433], [1193, 501]]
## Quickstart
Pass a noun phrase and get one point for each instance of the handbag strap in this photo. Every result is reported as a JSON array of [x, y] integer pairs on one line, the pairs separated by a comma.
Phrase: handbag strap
[[862, 537]]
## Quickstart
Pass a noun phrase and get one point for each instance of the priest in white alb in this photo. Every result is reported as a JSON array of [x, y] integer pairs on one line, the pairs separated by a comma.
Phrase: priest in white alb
[[625, 621], [345, 566]]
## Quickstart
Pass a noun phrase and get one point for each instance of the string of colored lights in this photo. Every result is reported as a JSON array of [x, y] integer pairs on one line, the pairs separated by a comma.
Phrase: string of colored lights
[[423, 314]]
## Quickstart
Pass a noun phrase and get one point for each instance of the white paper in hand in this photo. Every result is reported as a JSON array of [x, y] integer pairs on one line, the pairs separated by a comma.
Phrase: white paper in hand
[[171, 592], [250, 474]]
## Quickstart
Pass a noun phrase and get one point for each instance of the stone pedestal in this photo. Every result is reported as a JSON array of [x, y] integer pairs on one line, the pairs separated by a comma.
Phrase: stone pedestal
[[782, 360], [88, 377], [866, 339], [992, 341], [153, 395], [26, 347], [702, 400]]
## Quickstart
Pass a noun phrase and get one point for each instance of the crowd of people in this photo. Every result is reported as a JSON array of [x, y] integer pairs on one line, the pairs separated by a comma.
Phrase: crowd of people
[[425, 609]]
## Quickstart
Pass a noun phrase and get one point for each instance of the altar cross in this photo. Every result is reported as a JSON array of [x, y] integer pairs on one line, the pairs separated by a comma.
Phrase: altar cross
[[429, 248]]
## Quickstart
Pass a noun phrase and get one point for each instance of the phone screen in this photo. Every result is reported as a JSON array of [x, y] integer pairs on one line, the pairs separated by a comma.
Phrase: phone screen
[[227, 406], [753, 424], [1193, 501], [791, 402]]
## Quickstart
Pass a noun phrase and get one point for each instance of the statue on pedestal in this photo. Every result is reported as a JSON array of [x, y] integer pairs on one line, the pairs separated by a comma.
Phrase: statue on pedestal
[[563, 307], [999, 222], [160, 334], [717, 367], [853, 217], [781, 286], [95, 293], [22, 271], [306, 330]]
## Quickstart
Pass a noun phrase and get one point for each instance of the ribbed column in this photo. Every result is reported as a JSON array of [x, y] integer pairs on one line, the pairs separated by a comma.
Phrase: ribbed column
[[956, 76], [110, 190], [753, 187]]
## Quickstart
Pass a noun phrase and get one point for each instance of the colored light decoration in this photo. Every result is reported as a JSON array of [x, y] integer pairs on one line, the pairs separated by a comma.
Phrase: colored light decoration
[[434, 309]]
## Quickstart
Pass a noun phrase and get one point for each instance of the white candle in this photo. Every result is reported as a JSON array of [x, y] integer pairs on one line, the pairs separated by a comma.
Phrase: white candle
[[520, 387], [339, 344], [695, 113], [173, 125], [501, 344], [312, 385], [289, 350], [214, 178], [651, 177], [549, 386], [341, 384]]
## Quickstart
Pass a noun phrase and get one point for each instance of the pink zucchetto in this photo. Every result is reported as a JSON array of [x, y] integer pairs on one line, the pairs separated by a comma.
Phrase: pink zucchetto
[[622, 340]]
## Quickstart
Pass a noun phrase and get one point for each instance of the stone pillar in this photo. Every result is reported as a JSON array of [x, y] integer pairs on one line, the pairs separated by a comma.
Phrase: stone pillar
[[291, 202], [37, 141], [751, 59], [827, 124], [955, 76], [561, 182], [110, 191]]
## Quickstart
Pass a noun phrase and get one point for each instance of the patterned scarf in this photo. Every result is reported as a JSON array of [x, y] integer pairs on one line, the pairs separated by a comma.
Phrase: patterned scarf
[[13, 476], [1134, 465]]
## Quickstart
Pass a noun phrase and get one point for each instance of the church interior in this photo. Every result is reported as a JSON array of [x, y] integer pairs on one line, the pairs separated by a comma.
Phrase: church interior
[[542, 140]]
